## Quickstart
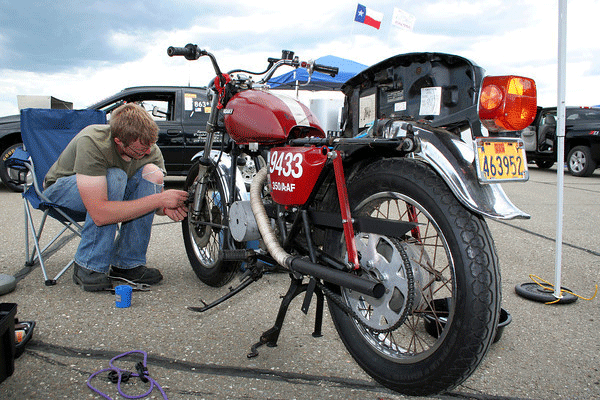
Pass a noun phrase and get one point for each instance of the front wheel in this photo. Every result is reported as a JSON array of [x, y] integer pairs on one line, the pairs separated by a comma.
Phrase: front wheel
[[204, 229], [438, 317], [580, 162]]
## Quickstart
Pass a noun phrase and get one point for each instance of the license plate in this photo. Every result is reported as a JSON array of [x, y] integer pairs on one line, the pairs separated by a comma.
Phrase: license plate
[[501, 160]]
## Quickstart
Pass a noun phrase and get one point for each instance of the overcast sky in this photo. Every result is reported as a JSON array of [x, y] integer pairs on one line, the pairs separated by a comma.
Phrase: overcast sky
[[84, 51]]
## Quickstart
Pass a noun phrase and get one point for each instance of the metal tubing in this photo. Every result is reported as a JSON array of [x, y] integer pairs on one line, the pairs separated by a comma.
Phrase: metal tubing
[[262, 220], [340, 182]]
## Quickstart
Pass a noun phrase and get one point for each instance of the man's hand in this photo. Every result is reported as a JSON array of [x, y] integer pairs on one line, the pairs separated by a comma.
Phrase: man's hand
[[173, 198], [176, 214]]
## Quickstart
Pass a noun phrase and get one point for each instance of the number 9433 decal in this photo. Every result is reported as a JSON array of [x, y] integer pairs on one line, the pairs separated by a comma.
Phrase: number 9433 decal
[[294, 171]]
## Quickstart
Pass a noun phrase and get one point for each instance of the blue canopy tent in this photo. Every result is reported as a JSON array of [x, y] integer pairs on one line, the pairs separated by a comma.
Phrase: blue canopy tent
[[319, 81]]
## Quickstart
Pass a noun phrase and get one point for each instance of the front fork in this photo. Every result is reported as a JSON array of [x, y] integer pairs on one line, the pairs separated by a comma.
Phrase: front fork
[[197, 202], [222, 167]]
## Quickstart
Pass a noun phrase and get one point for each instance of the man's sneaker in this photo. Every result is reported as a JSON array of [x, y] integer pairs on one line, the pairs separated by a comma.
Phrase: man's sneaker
[[141, 274], [90, 281]]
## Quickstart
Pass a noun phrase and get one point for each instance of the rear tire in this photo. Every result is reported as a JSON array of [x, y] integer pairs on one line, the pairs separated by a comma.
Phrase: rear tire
[[454, 279], [204, 243]]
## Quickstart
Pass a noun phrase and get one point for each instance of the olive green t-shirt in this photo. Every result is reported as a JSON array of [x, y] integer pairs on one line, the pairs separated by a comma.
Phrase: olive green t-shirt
[[92, 152]]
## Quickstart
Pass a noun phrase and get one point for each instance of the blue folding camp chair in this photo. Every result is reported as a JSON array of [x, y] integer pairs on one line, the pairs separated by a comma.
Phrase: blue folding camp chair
[[45, 134]]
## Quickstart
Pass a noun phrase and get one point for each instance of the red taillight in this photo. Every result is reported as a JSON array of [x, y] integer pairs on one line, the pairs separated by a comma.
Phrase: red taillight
[[507, 103]]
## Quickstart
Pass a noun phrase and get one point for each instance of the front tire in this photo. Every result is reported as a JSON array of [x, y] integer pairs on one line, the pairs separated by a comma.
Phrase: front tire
[[580, 162], [448, 284], [204, 233]]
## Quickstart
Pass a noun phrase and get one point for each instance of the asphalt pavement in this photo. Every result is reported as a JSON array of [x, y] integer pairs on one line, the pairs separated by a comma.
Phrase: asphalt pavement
[[546, 352]]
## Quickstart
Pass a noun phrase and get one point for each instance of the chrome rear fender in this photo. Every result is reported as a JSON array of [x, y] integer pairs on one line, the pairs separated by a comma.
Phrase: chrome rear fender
[[454, 161]]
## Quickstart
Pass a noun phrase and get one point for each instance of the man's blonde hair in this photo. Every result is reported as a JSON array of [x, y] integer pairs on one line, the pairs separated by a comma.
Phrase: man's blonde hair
[[131, 122]]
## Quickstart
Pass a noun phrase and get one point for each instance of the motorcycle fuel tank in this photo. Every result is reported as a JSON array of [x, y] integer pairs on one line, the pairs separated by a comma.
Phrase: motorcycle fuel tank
[[255, 116]]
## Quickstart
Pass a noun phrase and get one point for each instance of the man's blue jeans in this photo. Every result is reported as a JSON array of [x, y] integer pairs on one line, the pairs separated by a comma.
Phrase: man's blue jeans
[[99, 249]]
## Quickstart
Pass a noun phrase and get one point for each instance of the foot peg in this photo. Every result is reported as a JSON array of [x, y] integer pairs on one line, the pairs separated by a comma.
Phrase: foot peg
[[237, 255]]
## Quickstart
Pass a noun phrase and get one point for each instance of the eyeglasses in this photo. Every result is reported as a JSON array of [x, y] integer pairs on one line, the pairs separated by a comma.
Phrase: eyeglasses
[[138, 149]]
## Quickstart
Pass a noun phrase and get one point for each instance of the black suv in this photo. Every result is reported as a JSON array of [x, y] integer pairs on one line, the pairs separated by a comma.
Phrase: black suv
[[582, 139], [180, 112]]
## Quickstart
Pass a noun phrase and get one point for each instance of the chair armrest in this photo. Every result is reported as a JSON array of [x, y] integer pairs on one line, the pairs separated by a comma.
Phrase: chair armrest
[[19, 160]]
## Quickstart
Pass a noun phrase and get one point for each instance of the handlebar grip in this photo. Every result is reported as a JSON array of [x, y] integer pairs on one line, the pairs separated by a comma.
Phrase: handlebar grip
[[190, 51], [333, 71]]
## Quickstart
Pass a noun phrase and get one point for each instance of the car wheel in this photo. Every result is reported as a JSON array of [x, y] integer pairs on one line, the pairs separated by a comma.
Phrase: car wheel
[[10, 176], [544, 164], [580, 162]]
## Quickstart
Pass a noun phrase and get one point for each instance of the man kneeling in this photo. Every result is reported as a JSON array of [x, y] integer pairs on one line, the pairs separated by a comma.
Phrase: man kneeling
[[114, 174]]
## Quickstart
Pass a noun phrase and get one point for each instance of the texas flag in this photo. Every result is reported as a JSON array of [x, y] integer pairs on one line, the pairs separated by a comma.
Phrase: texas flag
[[367, 16]]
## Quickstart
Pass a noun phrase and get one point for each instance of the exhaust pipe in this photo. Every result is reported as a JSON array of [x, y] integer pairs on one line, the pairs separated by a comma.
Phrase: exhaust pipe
[[298, 264], [343, 279]]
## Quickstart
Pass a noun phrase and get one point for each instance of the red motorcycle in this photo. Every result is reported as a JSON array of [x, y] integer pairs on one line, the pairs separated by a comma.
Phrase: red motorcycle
[[386, 221]]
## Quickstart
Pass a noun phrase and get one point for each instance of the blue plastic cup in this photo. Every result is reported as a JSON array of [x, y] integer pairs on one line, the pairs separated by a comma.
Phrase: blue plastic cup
[[123, 296]]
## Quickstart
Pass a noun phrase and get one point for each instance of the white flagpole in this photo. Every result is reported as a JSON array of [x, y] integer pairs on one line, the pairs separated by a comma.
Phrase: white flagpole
[[560, 133]]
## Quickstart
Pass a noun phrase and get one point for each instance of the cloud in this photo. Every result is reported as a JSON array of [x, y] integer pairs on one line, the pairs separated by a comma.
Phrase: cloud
[[51, 36], [82, 52]]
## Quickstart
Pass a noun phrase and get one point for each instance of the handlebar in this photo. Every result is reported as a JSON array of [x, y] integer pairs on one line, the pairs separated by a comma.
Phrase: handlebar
[[193, 52], [190, 51], [332, 71]]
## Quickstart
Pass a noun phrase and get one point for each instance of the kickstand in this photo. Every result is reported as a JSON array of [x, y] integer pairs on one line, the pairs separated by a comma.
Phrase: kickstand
[[252, 274], [232, 292], [271, 336]]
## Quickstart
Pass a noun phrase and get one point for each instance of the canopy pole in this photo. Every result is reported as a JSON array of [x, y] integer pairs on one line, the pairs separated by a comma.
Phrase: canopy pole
[[536, 291], [560, 133]]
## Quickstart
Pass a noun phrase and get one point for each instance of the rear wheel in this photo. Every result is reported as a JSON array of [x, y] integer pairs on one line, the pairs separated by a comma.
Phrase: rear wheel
[[204, 230], [580, 162], [438, 317]]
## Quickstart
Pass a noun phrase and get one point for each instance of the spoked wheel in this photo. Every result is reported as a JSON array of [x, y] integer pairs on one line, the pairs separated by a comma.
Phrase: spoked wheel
[[204, 230], [435, 323]]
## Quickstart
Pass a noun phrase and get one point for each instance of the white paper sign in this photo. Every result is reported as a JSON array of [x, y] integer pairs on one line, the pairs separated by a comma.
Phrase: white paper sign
[[431, 101], [367, 112], [403, 20]]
